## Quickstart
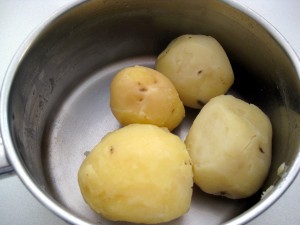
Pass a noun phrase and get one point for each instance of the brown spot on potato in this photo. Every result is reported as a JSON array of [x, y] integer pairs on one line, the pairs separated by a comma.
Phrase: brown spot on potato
[[223, 193], [200, 103], [143, 89], [199, 72], [111, 149], [261, 149], [188, 163]]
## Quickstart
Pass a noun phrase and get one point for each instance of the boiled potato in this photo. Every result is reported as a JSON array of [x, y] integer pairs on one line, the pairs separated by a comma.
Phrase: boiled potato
[[230, 146], [142, 95], [140, 173], [198, 67]]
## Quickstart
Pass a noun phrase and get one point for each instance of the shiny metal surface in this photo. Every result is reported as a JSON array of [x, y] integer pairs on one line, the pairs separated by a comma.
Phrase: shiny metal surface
[[5, 166], [78, 105]]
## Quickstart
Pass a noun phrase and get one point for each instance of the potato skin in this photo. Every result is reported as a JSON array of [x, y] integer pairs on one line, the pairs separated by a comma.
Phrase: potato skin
[[198, 67], [140, 173], [142, 95], [230, 146]]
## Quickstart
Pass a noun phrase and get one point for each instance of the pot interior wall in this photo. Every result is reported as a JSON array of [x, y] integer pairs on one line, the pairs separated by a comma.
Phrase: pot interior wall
[[60, 95]]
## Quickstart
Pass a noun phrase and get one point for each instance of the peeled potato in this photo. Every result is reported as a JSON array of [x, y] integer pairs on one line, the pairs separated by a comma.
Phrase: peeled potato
[[143, 95], [198, 67], [230, 146], [140, 173]]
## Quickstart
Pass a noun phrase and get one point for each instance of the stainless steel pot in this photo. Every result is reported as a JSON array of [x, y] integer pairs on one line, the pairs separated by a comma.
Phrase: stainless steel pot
[[55, 97]]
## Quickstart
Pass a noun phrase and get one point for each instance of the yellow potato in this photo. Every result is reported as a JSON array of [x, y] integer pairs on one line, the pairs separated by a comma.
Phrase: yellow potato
[[143, 95], [230, 146], [198, 67], [140, 173]]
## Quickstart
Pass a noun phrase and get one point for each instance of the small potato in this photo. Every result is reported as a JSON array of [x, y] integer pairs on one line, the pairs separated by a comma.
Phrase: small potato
[[230, 146], [198, 67], [143, 95], [140, 173]]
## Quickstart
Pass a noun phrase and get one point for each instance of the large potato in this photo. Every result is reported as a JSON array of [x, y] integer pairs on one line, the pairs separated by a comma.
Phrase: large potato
[[140, 173], [142, 95], [198, 67], [230, 146]]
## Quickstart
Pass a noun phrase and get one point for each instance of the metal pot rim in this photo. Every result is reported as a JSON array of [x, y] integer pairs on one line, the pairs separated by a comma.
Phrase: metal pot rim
[[50, 203]]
